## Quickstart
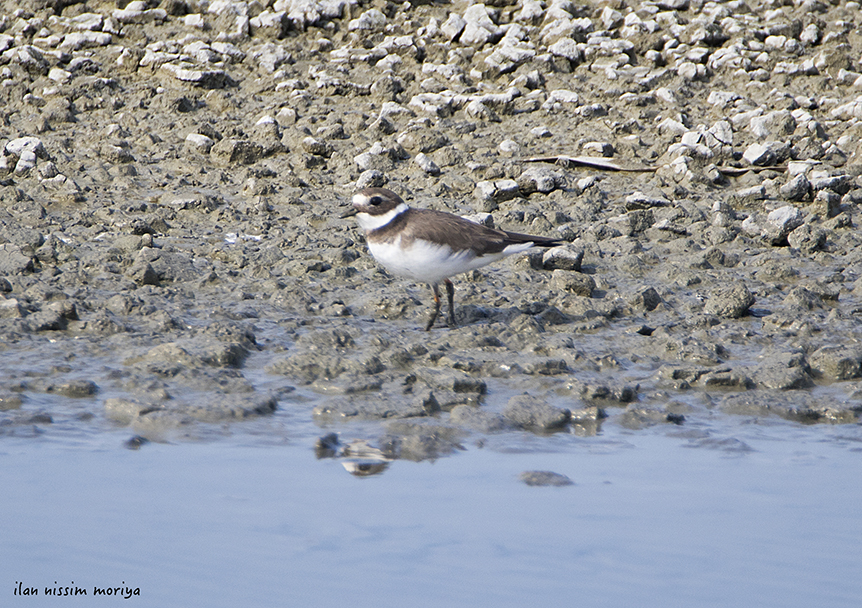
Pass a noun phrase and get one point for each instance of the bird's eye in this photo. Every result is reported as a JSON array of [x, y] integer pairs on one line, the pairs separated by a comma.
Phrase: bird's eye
[[375, 200]]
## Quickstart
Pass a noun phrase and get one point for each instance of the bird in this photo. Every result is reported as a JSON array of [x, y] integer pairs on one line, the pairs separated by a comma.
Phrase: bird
[[430, 246]]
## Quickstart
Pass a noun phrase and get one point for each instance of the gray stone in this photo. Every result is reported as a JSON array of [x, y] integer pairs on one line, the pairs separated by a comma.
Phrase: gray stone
[[729, 303], [797, 189], [565, 257], [476, 419], [545, 478], [378, 406], [199, 143], [452, 380], [236, 152], [530, 413], [426, 164], [803, 299], [573, 282], [759, 155], [646, 299], [13, 261], [780, 223], [794, 405], [827, 203], [317, 147], [835, 363], [539, 179], [490, 193], [807, 238]]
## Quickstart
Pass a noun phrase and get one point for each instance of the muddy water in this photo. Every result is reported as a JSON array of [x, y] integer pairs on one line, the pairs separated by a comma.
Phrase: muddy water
[[721, 510]]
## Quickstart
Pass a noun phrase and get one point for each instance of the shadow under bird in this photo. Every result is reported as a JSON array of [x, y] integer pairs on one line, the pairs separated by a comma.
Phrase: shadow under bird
[[431, 246]]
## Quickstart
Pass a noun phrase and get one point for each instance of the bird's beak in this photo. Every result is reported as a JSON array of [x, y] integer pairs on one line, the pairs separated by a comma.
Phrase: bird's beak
[[349, 212]]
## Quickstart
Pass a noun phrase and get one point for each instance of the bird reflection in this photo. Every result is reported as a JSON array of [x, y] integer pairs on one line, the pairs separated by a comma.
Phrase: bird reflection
[[358, 457]]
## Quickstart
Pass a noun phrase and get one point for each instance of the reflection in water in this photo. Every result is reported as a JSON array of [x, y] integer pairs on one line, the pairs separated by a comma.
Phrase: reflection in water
[[358, 457]]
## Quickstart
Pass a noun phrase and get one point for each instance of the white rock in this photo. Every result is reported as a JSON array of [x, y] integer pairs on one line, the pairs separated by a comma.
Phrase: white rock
[[426, 164], [228, 7], [758, 154], [391, 109], [722, 99], [773, 125], [674, 127], [531, 11], [775, 42], [195, 20], [26, 145], [228, 50], [136, 12], [666, 95], [200, 142], [87, 21], [453, 26], [599, 148], [558, 98], [539, 179], [189, 73], [480, 28], [849, 110], [691, 71], [48, 170], [567, 48], [26, 161], [509, 146], [286, 116], [371, 20], [433, 103], [757, 192], [304, 13], [272, 24], [491, 192], [722, 131], [377, 157], [810, 34], [59, 75], [611, 18], [750, 226], [800, 167], [82, 40], [270, 55], [586, 182], [201, 52], [389, 63], [785, 218], [477, 109], [743, 119]]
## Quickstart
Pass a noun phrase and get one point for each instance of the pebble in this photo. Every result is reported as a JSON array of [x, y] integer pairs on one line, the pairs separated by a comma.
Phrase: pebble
[[545, 478], [534, 414], [426, 164], [490, 193], [573, 282], [731, 302]]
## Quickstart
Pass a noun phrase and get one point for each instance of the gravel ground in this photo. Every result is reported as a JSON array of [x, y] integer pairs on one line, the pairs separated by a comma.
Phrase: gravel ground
[[175, 180]]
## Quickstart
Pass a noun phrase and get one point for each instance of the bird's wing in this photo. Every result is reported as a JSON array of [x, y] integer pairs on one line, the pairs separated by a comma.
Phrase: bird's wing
[[462, 234]]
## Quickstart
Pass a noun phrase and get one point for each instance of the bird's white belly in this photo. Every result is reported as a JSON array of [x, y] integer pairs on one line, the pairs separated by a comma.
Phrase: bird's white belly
[[429, 262]]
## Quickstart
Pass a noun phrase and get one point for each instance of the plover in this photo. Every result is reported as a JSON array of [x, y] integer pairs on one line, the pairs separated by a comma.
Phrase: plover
[[431, 246]]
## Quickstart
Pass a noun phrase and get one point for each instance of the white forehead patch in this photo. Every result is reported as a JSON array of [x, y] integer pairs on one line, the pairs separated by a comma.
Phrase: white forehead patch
[[360, 199]]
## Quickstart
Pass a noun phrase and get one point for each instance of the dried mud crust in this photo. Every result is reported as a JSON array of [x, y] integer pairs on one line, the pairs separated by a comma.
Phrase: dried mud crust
[[175, 178]]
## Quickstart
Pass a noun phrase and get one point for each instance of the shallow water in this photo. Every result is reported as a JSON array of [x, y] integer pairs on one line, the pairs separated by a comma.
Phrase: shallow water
[[740, 511]]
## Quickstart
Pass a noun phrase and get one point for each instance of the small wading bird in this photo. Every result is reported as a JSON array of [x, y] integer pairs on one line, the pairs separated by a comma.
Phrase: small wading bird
[[431, 246]]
